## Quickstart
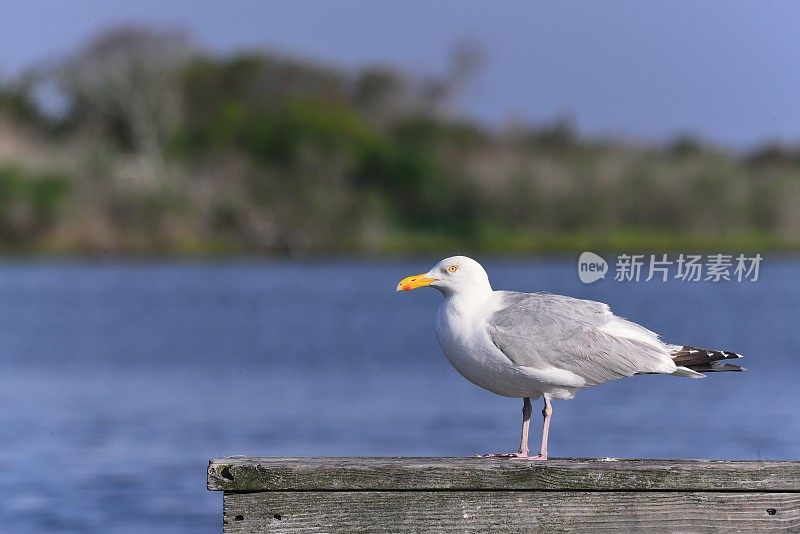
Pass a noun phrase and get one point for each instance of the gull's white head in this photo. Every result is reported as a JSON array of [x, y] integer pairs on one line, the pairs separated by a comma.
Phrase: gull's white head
[[457, 274]]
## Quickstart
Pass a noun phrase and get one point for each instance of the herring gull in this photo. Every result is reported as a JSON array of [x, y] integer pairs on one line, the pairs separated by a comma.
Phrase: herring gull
[[531, 345]]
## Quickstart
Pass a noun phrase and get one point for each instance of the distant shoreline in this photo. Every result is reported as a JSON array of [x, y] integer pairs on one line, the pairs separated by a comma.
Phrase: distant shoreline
[[409, 245], [257, 154]]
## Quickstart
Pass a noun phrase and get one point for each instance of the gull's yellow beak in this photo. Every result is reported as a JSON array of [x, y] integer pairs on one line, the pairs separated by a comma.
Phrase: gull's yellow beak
[[413, 282]]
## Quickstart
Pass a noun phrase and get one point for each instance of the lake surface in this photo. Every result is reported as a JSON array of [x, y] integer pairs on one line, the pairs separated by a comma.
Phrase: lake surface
[[119, 382]]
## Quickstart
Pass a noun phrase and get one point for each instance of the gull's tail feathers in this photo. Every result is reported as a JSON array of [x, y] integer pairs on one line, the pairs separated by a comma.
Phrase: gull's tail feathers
[[693, 361]]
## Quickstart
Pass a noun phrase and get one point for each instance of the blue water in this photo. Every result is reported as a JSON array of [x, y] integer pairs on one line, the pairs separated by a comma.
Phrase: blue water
[[119, 382]]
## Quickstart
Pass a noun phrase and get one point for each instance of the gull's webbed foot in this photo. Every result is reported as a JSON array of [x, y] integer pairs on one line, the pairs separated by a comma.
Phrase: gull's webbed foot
[[519, 455]]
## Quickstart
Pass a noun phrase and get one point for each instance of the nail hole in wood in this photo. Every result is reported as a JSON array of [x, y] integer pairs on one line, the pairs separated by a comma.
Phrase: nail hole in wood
[[226, 473], [277, 516], [239, 517], [772, 511]]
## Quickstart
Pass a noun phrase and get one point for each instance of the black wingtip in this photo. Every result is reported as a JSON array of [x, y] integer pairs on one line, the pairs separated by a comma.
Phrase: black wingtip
[[705, 360]]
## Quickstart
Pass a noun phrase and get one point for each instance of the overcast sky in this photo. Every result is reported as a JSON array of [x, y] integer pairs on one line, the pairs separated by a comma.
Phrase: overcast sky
[[728, 71]]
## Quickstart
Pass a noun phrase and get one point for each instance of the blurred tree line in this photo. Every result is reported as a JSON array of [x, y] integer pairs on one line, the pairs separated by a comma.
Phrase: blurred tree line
[[143, 143]]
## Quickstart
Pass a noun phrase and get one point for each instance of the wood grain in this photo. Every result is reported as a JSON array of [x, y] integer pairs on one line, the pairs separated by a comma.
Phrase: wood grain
[[509, 511], [422, 474]]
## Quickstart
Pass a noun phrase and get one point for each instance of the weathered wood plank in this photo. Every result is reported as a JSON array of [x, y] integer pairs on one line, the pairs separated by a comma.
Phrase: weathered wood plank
[[375, 474], [515, 511]]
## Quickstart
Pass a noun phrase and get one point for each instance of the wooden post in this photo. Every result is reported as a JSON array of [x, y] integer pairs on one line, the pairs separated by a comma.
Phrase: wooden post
[[494, 495]]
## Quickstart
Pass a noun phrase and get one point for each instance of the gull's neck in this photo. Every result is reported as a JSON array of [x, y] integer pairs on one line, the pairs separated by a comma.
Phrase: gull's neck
[[465, 303]]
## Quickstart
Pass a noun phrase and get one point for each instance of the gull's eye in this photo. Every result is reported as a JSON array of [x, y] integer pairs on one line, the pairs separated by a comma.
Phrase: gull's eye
[[452, 269]]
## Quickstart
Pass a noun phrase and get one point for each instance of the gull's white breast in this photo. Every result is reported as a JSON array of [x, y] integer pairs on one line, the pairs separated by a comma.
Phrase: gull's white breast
[[463, 337]]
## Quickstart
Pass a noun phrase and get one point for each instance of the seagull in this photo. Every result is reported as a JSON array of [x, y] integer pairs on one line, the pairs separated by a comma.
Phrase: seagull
[[531, 345]]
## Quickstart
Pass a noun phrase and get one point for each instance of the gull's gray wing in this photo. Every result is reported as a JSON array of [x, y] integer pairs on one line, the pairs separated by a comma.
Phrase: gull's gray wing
[[545, 332]]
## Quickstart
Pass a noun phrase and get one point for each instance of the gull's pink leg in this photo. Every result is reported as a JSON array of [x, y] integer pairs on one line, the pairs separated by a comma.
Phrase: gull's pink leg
[[526, 423], [523, 441], [547, 413]]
